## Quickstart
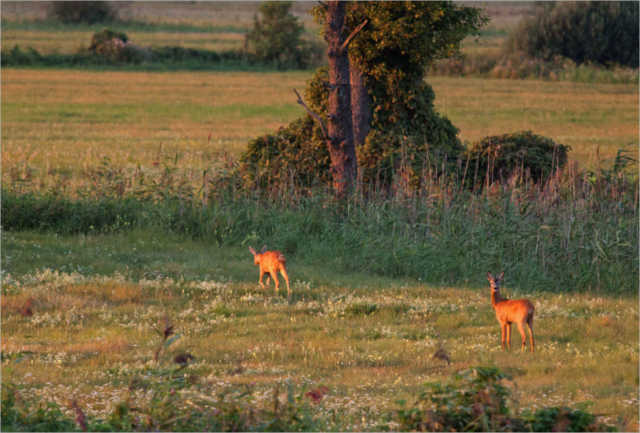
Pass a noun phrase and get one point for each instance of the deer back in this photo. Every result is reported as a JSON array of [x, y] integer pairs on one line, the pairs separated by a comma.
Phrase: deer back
[[273, 261]]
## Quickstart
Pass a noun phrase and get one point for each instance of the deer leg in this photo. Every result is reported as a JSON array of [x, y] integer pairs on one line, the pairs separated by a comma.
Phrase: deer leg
[[530, 325], [268, 278], [283, 271], [275, 280], [504, 333], [262, 275], [522, 334], [509, 335]]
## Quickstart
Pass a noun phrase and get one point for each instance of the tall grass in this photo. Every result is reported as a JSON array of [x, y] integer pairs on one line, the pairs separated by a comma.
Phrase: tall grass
[[575, 231]]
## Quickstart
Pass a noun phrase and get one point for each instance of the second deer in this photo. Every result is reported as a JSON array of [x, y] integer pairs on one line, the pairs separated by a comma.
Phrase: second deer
[[270, 263], [508, 311]]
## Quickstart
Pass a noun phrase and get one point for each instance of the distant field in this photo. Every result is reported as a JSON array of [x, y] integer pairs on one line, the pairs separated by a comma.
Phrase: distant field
[[69, 41], [207, 25], [371, 340], [217, 26], [70, 119]]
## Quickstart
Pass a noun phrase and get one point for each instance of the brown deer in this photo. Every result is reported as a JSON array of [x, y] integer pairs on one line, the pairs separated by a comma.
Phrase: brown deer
[[509, 311], [270, 263]]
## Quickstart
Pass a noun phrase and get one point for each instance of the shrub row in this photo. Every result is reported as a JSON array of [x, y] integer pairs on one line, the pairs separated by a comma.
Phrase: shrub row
[[169, 58]]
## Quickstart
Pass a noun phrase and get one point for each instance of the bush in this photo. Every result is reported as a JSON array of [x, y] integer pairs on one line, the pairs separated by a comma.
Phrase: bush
[[115, 48], [522, 153], [477, 400], [599, 32], [296, 152], [87, 12], [276, 38], [300, 150]]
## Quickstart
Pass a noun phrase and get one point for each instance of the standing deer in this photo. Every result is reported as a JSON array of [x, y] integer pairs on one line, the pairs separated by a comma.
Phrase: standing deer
[[509, 311], [270, 263]]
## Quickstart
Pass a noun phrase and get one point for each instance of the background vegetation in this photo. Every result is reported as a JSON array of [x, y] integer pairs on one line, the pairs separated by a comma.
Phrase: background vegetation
[[222, 27]]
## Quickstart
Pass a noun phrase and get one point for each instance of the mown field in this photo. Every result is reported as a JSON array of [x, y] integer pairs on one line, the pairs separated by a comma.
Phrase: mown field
[[370, 340], [70, 120]]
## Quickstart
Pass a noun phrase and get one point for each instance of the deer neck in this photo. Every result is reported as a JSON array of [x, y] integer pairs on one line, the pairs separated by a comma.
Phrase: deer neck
[[495, 298]]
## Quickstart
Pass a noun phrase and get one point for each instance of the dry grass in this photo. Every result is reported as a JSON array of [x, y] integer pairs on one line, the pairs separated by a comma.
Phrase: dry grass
[[584, 116], [192, 13], [69, 120]]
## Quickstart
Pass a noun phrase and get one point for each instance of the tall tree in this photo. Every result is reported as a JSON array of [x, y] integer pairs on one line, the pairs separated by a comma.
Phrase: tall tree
[[392, 110], [339, 134]]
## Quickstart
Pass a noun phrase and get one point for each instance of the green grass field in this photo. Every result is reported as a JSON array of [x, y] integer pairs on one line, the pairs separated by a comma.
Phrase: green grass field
[[69, 120], [369, 339]]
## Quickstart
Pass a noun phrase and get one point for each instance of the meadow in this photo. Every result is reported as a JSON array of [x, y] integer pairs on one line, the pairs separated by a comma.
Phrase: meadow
[[121, 215], [371, 340]]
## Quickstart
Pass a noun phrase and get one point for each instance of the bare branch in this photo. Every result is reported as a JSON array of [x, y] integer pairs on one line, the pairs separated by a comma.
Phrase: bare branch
[[353, 35], [314, 115]]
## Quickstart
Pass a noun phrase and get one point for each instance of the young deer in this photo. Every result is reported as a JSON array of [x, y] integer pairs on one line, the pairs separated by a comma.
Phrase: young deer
[[270, 263], [508, 312]]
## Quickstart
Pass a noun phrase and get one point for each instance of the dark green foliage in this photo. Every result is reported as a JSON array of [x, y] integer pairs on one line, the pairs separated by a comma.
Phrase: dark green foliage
[[276, 38], [393, 50], [518, 154], [562, 419], [88, 12], [597, 31], [136, 58], [286, 155], [478, 401], [20, 415]]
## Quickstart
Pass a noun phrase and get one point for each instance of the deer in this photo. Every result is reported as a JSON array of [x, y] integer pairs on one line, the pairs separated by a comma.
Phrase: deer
[[509, 311], [270, 263]]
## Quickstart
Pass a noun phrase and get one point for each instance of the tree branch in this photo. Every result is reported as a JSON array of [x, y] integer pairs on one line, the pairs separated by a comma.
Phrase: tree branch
[[329, 85], [324, 5], [314, 115], [353, 34]]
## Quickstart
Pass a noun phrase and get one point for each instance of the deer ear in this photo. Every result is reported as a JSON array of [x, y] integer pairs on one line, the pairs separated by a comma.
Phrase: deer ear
[[489, 276], [253, 251], [264, 250], [501, 276]]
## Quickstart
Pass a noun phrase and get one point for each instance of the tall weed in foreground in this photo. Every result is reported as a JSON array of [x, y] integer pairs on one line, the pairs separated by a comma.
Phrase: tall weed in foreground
[[573, 231], [477, 400]]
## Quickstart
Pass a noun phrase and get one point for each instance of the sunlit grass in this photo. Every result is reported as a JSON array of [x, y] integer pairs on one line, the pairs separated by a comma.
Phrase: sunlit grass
[[70, 119], [368, 339], [68, 42]]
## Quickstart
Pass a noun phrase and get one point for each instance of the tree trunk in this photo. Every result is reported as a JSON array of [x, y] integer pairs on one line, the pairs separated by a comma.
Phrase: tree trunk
[[360, 105], [344, 164]]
